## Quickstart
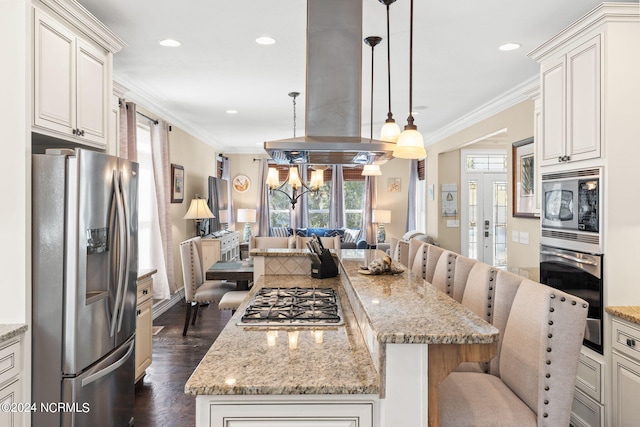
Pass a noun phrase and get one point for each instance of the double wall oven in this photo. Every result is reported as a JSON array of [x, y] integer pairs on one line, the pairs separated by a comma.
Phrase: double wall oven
[[571, 241]]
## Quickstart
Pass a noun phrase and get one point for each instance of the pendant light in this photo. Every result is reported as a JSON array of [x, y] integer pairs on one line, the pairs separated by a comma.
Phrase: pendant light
[[410, 144], [390, 131], [372, 169]]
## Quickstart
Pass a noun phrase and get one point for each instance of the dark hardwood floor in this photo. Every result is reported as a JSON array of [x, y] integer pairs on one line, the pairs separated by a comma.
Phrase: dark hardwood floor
[[160, 399]]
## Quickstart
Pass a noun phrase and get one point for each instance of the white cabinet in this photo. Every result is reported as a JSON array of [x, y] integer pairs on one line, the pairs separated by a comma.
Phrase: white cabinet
[[291, 414], [571, 105], [11, 383], [72, 72], [626, 373], [225, 248], [144, 325], [588, 409]]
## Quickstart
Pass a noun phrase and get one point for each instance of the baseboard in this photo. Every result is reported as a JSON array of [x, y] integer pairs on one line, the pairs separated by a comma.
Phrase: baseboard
[[160, 307]]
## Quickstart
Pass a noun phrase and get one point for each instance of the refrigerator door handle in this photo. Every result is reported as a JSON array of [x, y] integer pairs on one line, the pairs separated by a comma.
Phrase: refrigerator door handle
[[125, 277], [110, 368], [122, 231]]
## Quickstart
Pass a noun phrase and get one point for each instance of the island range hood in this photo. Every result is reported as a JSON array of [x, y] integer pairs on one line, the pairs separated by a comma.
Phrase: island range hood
[[333, 92]]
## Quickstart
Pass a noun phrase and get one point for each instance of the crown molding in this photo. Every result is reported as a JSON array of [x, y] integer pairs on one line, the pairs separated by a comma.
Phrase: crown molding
[[496, 105]]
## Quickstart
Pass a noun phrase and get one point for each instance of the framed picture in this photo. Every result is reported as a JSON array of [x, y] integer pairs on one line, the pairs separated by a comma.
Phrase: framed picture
[[393, 185], [524, 180], [177, 183], [241, 183]]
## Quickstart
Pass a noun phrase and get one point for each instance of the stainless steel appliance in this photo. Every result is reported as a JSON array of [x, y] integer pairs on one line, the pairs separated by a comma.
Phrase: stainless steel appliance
[[572, 210], [293, 307], [84, 288], [579, 274]]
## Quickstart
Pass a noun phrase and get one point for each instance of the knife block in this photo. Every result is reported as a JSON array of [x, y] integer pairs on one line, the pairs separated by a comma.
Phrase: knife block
[[326, 268]]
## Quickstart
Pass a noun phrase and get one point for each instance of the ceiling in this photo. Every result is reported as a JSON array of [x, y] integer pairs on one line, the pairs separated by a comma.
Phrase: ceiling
[[457, 65]]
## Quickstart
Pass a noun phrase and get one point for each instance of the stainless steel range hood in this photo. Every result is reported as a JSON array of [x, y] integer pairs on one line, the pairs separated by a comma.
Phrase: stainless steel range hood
[[333, 92]]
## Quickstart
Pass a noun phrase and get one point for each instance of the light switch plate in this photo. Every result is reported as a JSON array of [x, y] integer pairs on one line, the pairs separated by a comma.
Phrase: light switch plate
[[515, 236], [452, 223], [524, 237]]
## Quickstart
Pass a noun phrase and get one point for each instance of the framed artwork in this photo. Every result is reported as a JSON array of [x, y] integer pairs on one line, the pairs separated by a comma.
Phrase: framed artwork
[[241, 183], [524, 180], [393, 185], [177, 183]]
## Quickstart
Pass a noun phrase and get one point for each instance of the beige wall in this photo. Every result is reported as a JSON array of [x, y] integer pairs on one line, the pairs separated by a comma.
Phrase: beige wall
[[244, 164], [395, 202], [443, 167], [199, 162]]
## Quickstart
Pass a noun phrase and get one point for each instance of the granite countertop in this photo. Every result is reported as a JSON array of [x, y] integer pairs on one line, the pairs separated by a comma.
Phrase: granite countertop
[[241, 361], [278, 252], [630, 313], [8, 331], [407, 309], [399, 309]]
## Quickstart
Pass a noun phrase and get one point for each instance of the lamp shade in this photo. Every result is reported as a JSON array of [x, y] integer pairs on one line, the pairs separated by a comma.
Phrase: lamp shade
[[371, 170], [390, 132], [198, 210], [410, 145], [246, 215], [381, 216]]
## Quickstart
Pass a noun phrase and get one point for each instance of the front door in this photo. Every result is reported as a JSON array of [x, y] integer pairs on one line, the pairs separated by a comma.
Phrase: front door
[[484, 216]]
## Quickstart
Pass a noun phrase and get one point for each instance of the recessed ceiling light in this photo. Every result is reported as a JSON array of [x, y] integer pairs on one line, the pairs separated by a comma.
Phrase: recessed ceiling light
[[265, 40], [510, 46], [169, 43], [232, 111]]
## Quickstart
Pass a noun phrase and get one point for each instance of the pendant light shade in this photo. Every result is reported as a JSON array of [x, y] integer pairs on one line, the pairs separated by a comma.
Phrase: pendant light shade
[[410, 144], [371, 170], [390, 130]]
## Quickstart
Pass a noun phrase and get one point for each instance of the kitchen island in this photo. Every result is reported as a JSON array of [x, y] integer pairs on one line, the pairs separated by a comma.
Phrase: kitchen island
[[400, 337]]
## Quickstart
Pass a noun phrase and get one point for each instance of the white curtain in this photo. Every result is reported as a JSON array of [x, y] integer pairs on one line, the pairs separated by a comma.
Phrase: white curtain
[[411, 200], [370, 203], [162, 177], [262, 204], [336, 204]]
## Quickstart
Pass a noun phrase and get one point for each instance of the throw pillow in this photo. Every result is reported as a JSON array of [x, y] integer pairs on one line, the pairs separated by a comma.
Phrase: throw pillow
[[351, 235], [281, 231], [302, 232], [320, 232], [333, 233]]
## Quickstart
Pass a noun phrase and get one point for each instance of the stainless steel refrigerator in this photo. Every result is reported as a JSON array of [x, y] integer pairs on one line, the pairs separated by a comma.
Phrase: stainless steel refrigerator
[[85, 257]]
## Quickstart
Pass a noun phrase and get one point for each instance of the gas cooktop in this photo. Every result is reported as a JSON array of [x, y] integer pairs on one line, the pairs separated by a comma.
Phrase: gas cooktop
[[293, 307]]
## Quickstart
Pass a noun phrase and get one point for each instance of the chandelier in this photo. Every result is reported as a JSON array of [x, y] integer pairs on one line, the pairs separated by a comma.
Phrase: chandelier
[[298, 187]]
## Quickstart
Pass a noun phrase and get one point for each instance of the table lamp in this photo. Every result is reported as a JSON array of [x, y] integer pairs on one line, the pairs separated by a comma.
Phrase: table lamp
[[198, 210], [247, 216], [382, 217]]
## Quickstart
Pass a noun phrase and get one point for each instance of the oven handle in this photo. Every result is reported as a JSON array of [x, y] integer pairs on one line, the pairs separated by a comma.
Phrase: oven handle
[[569, 257]]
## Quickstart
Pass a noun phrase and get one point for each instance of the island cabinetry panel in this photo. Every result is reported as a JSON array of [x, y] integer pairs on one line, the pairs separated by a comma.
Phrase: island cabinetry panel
[[626, 373], [571, 105], [319, 412], [144, 326], [11, 383], [588, 403]]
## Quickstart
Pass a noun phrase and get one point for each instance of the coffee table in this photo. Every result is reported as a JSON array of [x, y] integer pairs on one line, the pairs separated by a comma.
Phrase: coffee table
[[240, 271]]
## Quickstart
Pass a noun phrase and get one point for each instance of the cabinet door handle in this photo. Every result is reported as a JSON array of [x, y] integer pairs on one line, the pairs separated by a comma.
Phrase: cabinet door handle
[[568, 158], [139, 311], [560, 159], [75, 131], [631, 342], [146, 291]]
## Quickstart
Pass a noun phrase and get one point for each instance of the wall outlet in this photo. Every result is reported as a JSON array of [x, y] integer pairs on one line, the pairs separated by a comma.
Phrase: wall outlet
[[515, 236], [524, 237], [452, 223]]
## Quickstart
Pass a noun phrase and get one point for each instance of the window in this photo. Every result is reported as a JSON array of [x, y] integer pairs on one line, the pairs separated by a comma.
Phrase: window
[[146, 196], [421, 196]]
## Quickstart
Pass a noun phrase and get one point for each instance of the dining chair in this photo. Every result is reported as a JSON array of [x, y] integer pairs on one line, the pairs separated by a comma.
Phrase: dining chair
[[196, 290], [268, 242], [538, 364], [333, 242]]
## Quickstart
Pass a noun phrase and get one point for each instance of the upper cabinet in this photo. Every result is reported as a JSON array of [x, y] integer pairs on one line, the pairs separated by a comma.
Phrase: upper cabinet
[[571, 107], [72, 74]]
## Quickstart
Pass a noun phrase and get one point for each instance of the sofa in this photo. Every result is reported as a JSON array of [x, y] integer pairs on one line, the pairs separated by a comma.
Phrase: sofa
[[349, 238]]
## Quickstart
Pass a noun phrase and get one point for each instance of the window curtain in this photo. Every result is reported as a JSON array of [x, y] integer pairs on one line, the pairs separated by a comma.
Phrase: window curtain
[[336, 204], [162, 177], [262, 205], [301, 212], [226, 174], [127, 148], [370, 203], [411, 200]]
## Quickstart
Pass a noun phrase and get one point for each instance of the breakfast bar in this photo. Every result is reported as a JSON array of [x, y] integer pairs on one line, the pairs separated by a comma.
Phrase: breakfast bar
[[381, 366]]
